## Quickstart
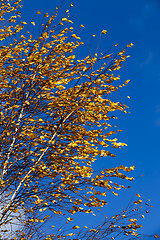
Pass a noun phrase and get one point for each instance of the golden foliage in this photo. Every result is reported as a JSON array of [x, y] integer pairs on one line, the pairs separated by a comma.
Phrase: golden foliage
[[55, 122]]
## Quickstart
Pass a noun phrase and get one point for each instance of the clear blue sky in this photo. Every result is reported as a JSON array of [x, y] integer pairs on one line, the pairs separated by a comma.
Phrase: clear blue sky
[[137, 22]]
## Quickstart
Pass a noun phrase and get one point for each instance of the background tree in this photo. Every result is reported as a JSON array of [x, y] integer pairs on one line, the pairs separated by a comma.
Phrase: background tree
[[56, 115]]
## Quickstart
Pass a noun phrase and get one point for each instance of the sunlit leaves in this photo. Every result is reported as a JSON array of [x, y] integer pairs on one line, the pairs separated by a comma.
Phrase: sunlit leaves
[[56, 121]]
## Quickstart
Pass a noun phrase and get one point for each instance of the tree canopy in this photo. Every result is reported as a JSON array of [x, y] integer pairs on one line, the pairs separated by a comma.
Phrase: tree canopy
[[57, 117]]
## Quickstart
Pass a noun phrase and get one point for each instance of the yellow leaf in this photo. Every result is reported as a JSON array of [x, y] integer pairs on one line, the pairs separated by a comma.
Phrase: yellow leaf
[[40, 120], [70, 234], [127, 81], [33, 23], [75, 227], [103, 194], [92, 230], [45, 35], [15, 210], [138, 195], [132, 220], [115, 193], [138, 202], [46, 15], [64, 19], [75, 36], [42, 209], [156, 236], [104, 31], [132, 168]]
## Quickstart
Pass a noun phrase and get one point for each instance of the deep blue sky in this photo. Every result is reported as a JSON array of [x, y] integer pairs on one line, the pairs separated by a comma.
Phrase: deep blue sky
[[137, 22]]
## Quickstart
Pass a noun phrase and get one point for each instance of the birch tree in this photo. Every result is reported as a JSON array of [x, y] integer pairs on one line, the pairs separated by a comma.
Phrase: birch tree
[[56, 120]]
